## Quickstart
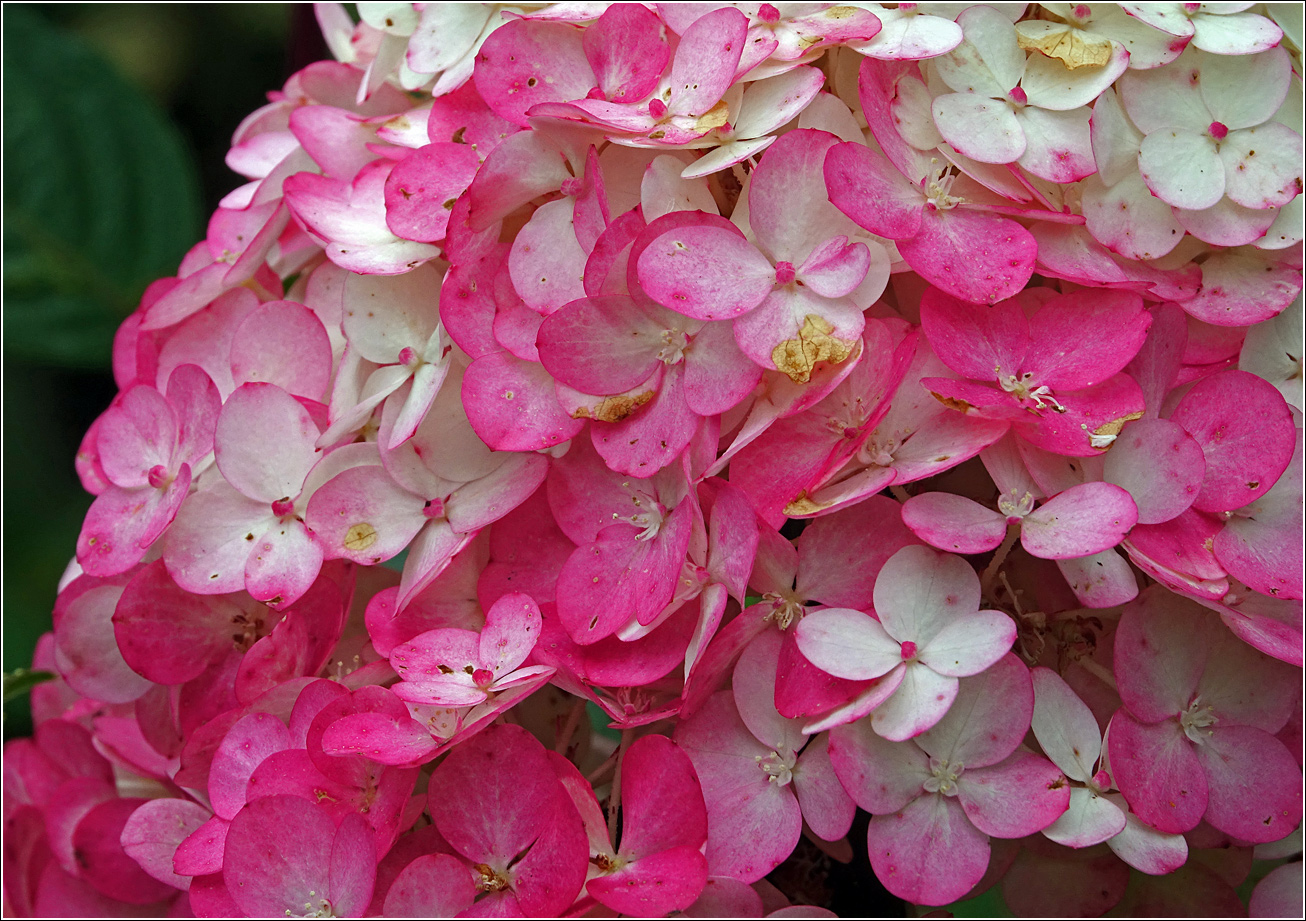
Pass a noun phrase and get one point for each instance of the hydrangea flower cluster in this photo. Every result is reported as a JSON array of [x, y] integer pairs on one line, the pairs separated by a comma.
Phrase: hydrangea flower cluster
[[880, 407]]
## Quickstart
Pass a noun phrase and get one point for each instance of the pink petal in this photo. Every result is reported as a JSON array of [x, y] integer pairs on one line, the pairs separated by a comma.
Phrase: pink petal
[[1254, 782], [512, 628], [283, 563], [362, 515], [951, 522], [600, 345], [1243, 426], [289, 876], [705, 61], [627, 50], [705, 271], [511, 404], [1015, 797], [283, 343], [1080, 340], [827, 808], [1159, 465], [529, 62], [867, 188], [978, 257], [154, 831], [989, 720], [908, 846], [1158, 771], [881, 776]]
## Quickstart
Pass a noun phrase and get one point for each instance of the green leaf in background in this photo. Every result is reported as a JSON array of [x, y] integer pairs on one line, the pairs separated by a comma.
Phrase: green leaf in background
[[100, 196], [22, 680]]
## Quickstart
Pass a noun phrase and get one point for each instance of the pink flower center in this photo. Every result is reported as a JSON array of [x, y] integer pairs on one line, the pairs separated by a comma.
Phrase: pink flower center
[[1017, 95], [159, 476], [434, 508], [784, 273], [908, 651], [1082, 11], [283, 506], [1219, 131], [408, 356], [572, 187], [768, 14], [483, 677], [657, 108]]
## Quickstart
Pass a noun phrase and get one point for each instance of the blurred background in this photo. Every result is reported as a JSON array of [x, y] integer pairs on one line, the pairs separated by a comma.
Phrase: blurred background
[[117, 118]]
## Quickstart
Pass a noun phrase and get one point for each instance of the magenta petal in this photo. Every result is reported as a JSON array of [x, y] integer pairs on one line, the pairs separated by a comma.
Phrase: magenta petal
[[978, 257], [662, 804], [1015, 797], [1155, 767], [705, 271], [1081, 521], [600, 344], [655, 885], [976, 342], [283, 878], [432, 886], [908, 847], [353, 866], [870, 190], [1245, 429], [951, 522], [511, 404], [1083, 338]]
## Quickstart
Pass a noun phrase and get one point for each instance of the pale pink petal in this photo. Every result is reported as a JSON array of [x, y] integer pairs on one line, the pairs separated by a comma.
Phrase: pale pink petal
[[1089, 819], [1127, 219], [283, 563], [881, 776], [547, 263], [847, 644], [265, 442], [969, 644], [1081, 521], [919, 702], [1058, 146], [1279, 894], [362, 515], [989, 720], [919, 591], [154, 831], [1064, 726], [982, 129], [283, 343], [1182, 168], [1146, 849]]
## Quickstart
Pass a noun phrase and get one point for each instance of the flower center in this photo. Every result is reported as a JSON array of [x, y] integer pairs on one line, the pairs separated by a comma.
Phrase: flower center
[[779, 769], [784, 273], [315, 907], [785, 609], [1015, 507], [674, 343], [937, 186], [1024, 388], [943, 777], [1197, 721], [283, 506], [908, 650], [159, 477], [488, 880]]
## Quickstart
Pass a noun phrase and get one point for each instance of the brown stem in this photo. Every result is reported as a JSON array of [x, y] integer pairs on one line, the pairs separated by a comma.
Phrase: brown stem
[[614, 798], [569, 728]]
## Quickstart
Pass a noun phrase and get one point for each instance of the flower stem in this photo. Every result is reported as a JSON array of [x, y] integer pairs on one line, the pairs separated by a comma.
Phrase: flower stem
[[568, 729], [999, 557]]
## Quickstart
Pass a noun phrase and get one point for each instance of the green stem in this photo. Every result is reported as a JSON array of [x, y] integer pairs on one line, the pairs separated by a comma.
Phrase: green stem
[[999, 557]]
